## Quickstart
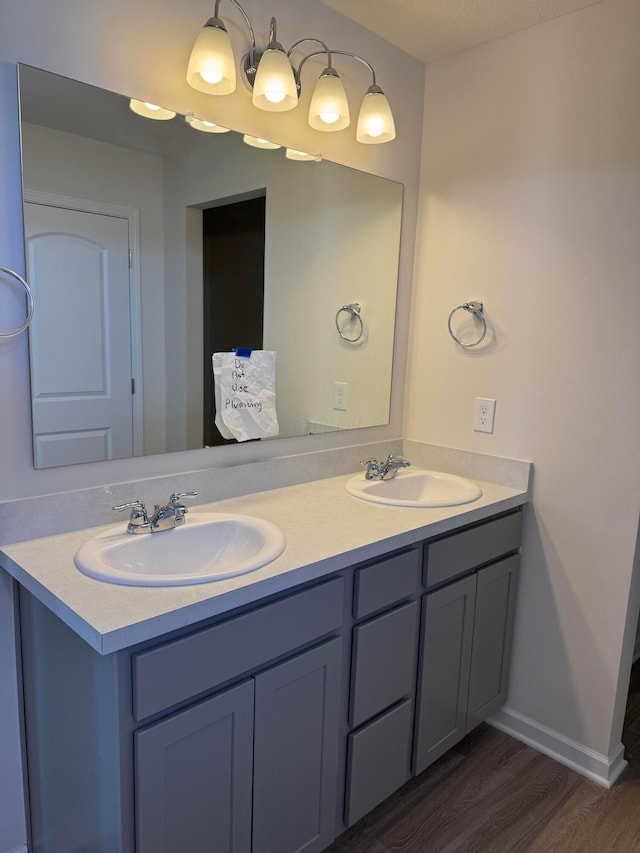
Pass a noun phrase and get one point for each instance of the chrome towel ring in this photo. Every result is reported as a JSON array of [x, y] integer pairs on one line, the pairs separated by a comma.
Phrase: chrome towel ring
[[477, 309], [29, 300], [353, 309]]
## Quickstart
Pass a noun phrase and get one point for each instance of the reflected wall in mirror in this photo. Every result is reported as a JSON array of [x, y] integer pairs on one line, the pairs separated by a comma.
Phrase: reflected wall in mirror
[[135, 291]]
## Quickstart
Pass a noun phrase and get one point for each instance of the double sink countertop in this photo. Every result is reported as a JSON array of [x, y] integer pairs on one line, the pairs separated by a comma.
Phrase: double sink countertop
[[326, 530]]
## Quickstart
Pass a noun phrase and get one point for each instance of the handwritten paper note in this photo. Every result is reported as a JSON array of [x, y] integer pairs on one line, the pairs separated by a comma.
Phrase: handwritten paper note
[[247, 393]]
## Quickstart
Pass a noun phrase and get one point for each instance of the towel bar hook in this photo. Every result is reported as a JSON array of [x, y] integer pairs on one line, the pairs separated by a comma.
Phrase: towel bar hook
[[353, 309], [476, 308], [30, 302]]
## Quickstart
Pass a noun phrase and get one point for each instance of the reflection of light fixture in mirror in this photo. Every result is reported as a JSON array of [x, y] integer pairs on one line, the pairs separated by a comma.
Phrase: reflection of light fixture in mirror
[[276, 81], [144, 108], [258, 142], [375, 122], [294, 154], [203, 125]]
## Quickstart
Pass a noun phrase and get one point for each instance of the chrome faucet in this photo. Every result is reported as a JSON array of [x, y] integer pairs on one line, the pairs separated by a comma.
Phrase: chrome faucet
[[164, 517], [384, 470]]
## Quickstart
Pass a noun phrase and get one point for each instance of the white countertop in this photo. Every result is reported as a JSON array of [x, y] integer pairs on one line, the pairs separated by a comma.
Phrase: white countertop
[[326, 530]]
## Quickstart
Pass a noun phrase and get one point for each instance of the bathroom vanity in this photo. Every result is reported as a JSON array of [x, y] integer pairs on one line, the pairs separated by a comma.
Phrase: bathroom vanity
[[267, 712]]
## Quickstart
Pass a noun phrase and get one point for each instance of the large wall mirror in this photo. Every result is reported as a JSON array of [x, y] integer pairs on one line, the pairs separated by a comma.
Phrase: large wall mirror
[[150, 245]]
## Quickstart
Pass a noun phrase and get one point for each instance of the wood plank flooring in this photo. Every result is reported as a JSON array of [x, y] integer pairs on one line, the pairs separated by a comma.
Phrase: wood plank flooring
[[493, 794]]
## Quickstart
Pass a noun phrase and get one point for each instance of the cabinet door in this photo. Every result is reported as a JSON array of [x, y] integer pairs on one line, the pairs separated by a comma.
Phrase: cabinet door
[[492, 635], [193, 777], [383, 662], [295, 752], [443, 685], [378, 760]]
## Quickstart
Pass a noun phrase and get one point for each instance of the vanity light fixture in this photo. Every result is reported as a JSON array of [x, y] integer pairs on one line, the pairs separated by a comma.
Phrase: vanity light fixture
[[294, 154], [148, 110], [276, 81], [329, 108], [274, 87], [203, 125], [258, 142]]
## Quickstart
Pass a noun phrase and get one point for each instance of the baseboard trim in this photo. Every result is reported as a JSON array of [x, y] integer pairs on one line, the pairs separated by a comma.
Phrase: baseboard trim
[[22, 849], [594, 765]]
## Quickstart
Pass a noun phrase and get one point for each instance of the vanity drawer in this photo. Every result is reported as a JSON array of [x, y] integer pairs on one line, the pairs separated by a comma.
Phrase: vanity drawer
[[378, 761], [190, 665], [385, 583], [383, 662], [447, 558]]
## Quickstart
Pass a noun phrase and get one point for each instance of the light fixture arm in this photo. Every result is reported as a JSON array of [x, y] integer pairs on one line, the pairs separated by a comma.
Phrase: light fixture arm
[[316, 53], [252, 61], [330, 52]]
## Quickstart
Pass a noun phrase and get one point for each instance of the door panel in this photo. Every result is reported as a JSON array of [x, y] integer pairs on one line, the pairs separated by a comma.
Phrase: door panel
[[80, 337], [492, 634], [443, 682], [296, 747], [193, 777]]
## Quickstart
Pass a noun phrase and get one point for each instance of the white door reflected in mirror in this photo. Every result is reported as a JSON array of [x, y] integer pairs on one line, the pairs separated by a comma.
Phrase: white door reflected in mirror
[[80, 339]]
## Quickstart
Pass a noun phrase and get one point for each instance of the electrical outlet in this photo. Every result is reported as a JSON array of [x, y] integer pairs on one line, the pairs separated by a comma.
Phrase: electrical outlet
[[340, 396], [484, 412]]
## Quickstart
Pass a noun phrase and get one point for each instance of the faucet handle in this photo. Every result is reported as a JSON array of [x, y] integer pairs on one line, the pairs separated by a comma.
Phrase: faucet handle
[[398, 461], [138, 520], [178, 507], [174, 500], [139, 505], [373, 468]]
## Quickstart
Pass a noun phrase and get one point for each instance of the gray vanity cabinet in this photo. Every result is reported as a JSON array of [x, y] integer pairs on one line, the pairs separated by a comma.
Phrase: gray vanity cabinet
[[297, 708], [205, 775], [193, 777], [271, 728], [492, 635], [467, 628], [447, 618], [383, 676], [253, 769]]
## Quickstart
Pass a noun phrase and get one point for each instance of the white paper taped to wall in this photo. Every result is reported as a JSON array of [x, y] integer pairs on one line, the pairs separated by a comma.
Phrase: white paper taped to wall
[[245, 394]]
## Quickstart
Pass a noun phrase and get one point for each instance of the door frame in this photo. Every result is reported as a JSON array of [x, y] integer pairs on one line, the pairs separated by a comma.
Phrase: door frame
[[132, 215]]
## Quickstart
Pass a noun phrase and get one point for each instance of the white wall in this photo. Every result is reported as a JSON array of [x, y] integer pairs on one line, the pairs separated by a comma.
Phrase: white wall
[[71, 165], [530, 201], [343, 235], [109, 45]]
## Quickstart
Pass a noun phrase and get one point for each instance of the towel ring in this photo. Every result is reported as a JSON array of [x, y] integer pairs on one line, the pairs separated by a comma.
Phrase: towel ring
[[477, 309], [353, 309], [29, 299]]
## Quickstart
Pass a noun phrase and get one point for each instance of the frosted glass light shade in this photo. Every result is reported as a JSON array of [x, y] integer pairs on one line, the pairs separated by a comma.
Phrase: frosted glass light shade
[[148, 110], [274, 88], [205, 126], [375, 121], [212, 68], [329, 108], [259, 142], [294, 154]]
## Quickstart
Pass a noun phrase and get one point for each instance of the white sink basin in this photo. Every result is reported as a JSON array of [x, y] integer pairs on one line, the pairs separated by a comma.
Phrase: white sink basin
[[416, 487], [208, 547]]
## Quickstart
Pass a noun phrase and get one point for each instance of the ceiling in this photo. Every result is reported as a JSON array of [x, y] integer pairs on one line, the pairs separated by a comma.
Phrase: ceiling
[[431, 29]]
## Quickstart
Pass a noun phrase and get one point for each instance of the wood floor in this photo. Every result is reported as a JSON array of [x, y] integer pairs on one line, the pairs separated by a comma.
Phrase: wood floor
[[493, 794]]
